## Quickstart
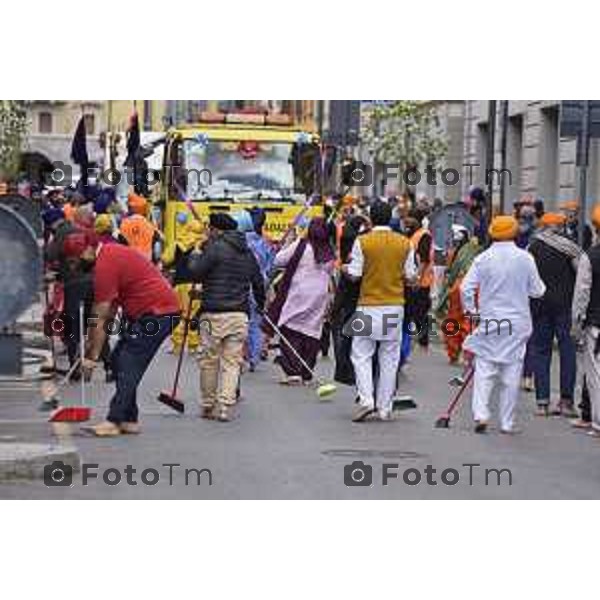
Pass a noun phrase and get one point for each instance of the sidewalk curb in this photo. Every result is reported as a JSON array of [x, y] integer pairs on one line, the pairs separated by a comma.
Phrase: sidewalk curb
[[27, 461]]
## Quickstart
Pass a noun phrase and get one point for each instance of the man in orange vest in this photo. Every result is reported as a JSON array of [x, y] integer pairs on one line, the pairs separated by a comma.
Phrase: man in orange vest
[[419, 296], [136, 230]]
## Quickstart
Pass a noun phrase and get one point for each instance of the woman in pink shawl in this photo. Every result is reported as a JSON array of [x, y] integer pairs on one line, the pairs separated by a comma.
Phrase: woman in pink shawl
[[302, 300]]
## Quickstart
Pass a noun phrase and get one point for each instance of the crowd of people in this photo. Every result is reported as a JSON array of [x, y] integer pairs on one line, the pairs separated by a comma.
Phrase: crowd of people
[[365, 278]]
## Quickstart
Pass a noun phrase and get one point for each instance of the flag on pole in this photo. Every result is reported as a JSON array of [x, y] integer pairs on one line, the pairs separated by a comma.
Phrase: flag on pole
[[79, 153], [133, 140]]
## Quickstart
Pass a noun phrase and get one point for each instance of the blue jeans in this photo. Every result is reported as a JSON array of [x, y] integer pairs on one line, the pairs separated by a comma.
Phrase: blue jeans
[[130, 359], [255, 335], [546, 325]]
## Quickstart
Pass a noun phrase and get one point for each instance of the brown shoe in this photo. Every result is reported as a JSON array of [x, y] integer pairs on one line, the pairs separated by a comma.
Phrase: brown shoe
[[207, 412], [104, 429], [130, 428]]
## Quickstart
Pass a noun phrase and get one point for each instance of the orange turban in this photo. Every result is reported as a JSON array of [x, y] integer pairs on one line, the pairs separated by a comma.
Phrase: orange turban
[[596, 216], [569, 206], [137, 204], [504, 228], [551, 219]]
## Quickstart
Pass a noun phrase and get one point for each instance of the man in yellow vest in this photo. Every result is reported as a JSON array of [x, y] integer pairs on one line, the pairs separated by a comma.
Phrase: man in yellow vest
[[384, 259], [136, 229]]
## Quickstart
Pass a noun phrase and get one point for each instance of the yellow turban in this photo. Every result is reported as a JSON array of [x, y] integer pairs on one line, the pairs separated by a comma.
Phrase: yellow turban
[[103, 224], [504, 228], [551, 219]]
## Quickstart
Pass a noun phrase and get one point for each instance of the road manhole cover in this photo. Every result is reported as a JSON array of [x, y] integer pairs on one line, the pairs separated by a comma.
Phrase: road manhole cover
[[365, 453]]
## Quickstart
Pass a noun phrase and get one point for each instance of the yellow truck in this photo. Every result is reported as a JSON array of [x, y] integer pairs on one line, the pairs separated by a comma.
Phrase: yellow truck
[[229, 162]]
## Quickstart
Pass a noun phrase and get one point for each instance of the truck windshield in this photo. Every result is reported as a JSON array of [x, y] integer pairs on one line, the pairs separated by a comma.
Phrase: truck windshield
[[244, 170]]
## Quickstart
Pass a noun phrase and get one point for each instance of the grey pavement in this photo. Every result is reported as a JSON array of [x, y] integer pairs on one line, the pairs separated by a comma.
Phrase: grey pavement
[[287, 443]]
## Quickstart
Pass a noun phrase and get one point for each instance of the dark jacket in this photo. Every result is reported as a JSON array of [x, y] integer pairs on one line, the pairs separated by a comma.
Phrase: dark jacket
[[227, 270], [558, 275]]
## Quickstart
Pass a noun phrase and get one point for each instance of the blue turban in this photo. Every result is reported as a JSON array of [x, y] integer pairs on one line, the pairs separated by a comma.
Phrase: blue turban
[[106, 197]]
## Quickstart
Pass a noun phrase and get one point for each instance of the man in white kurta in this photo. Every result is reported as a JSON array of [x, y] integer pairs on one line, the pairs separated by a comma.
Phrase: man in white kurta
[[500, 283]]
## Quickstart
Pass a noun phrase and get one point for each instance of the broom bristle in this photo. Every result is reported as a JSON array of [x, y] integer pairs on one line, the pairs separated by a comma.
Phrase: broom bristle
[[326, 390], [168, 400], [71, 414]]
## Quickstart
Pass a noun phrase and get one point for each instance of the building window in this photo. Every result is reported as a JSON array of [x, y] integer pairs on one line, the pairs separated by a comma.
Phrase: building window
[[514, 151], [549, 160], [90, 123], [45, 122]]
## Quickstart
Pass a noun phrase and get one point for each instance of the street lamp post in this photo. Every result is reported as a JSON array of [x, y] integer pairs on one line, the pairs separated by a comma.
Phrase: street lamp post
[[583, 142]]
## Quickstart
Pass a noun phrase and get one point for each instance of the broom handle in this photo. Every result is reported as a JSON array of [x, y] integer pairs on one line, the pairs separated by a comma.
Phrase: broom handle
[[289, 345], [461, 391], [82, 349], [186, 326]]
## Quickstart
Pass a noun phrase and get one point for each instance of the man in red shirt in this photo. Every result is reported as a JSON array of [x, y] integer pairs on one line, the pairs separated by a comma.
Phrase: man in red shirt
[[124, 278]]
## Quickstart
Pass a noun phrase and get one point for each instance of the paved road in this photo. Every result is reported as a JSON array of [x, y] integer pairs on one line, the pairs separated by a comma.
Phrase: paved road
[[287, 444]]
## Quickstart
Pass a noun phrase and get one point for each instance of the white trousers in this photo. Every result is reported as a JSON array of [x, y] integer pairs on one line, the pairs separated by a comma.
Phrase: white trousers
[[363, 350], [489, 376], [591, 368]]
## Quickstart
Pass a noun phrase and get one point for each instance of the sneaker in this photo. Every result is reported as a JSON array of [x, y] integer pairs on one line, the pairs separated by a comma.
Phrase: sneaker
[[581, 424], [384, 415], [132, 428], [542, 410], [224, 413], [361, 411], [511, 431]]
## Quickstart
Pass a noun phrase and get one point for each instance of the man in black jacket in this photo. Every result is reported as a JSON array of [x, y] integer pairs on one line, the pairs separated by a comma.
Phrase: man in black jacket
[[227, 270], [556, 259]]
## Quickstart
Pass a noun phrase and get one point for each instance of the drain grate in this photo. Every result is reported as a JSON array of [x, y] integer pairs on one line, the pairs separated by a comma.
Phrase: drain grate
[[366, 453]]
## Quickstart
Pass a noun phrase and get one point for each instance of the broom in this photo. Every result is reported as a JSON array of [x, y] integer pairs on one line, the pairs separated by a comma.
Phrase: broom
[[170, 399], [443, 421], [81, 413], [324, 389]]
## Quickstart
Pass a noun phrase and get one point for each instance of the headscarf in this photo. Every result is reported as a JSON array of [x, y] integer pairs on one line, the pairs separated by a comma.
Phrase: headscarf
[[318, 238], [504, 228]]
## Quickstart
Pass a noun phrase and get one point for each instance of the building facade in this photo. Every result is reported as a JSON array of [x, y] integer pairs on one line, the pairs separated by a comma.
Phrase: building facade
[[541, 162], [53, 122]]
